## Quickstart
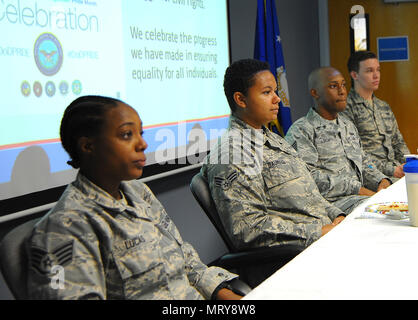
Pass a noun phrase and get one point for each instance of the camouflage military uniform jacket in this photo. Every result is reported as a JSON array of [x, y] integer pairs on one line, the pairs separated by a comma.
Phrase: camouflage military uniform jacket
[[269, 197], [110, 250], [378, 131], [335, 158]]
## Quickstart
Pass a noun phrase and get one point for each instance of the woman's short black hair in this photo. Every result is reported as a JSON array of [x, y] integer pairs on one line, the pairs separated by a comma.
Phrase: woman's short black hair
[[239, 77], [84, 117]]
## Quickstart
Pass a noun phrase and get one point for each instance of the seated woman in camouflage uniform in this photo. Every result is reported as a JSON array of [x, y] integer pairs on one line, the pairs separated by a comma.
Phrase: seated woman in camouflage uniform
[[263, 191], [108, 237]]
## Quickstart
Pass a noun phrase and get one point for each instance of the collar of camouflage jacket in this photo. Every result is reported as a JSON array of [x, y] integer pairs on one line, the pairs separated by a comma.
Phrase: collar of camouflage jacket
[[105, 200], [358, 99], [271, 139], [316, 120]]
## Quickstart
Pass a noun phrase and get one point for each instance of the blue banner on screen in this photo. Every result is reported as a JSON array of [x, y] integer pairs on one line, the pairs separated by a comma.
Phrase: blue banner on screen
[[164, 58], [268, 48]]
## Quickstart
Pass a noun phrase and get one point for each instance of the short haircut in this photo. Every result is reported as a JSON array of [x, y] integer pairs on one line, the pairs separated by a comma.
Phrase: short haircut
[[316, 77], [84, 117], [353, 63], [239, 77]]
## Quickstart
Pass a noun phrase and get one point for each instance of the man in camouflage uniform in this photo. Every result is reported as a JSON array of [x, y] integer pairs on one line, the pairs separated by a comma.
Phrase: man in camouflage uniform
[[373, 117], [92, 246], [330, 145], [263, 191]]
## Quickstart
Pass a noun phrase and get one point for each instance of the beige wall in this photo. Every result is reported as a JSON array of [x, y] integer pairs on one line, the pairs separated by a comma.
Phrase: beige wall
[[399, 80]]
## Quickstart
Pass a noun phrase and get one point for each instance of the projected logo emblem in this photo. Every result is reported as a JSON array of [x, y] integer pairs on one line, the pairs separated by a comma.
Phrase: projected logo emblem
[[25, 88], [50, 89], [76, 87], [63, 87], [37, 88], [48, 54]]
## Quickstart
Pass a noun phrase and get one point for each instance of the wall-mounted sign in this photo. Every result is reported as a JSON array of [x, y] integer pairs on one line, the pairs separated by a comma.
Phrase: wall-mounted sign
[[393, 48]]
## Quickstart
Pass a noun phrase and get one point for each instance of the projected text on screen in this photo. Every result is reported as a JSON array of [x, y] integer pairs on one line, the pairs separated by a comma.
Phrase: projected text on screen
[[165, 58]]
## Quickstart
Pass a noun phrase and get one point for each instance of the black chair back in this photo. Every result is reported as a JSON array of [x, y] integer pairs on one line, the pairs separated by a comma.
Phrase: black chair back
[[200, 190], [253, 265], [13, 261]]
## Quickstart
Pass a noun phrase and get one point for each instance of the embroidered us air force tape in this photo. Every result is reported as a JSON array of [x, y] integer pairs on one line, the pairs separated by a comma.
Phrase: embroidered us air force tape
[[43, 261], [48, 54], [226, 183]]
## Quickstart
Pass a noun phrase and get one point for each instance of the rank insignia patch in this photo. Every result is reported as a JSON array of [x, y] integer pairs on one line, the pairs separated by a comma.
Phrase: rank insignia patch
[[295, 145], [226, 183], [43, 261]]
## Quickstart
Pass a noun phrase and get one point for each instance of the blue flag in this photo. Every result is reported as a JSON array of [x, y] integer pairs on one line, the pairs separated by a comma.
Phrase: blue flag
[[268, 48]]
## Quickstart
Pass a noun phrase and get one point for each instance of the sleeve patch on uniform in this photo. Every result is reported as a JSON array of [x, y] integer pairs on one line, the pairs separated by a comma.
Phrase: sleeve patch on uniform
[[43, 261], [226, 183]]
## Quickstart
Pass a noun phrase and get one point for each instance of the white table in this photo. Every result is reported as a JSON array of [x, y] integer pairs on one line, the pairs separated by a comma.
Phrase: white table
[[358, 259]]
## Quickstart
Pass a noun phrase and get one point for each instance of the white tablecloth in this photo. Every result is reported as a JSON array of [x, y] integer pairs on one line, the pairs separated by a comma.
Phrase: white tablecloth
[[358, 259]]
